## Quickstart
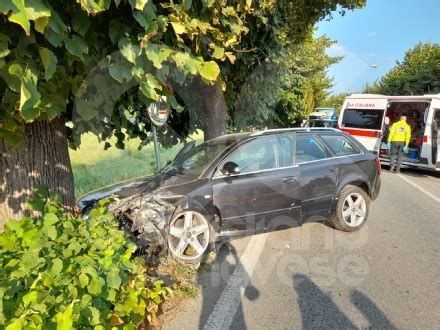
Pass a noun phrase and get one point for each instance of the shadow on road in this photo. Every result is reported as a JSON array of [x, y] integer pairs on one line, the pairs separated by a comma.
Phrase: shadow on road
[[223, 291], [371, 311], [318, 310]]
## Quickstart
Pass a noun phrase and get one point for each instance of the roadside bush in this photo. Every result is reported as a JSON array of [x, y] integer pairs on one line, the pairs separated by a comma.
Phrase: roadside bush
[[60, 271]]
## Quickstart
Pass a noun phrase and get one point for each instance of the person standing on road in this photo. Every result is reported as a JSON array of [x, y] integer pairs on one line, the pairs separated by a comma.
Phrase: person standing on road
[[398, 140]]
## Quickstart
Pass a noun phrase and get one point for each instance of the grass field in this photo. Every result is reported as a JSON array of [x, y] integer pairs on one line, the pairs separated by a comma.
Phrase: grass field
[[93, 167]]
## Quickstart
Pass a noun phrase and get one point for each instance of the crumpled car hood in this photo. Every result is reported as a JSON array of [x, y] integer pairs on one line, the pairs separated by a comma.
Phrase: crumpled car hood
[[142, 206], [139, 186]]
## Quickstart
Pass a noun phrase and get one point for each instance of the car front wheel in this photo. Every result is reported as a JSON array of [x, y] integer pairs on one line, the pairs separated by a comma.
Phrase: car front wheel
[[352, 209], [189, 237]]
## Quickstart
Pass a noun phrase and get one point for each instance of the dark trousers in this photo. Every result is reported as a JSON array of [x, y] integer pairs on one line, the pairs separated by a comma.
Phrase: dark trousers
[[396, 152]]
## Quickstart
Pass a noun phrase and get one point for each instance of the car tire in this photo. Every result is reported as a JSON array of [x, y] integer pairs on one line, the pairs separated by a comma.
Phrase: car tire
[[190, 237], [351, 209]]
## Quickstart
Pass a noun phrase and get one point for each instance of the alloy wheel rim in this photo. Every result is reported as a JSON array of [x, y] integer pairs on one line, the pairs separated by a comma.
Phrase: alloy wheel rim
[[188, 235], [354, 210]]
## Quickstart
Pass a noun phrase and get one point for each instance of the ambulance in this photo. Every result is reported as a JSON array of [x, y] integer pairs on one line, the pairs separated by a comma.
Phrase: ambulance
[[368, 118]]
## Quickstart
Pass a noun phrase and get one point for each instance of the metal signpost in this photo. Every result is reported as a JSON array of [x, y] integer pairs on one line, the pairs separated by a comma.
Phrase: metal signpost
[[158, 113]]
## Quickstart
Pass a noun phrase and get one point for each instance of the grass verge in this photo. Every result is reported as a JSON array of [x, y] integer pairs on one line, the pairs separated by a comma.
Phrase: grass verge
[[94, 168]]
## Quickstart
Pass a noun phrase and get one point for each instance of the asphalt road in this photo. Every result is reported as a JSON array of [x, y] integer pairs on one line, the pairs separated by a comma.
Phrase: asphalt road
[[385, 276]]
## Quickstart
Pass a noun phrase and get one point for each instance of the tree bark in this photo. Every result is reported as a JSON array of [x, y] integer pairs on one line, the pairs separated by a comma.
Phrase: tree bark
[[206, 105], [214, 109], [42, 159]]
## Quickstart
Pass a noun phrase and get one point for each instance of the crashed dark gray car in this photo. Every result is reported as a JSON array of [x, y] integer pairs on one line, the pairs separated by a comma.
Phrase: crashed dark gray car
[[245, 184]]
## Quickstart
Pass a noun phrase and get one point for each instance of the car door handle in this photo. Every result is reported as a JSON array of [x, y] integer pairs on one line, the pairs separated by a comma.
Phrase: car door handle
[[290, 179]]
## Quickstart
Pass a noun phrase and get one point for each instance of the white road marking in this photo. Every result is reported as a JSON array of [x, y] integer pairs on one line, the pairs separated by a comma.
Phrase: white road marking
[[226, 307], [423, 190]]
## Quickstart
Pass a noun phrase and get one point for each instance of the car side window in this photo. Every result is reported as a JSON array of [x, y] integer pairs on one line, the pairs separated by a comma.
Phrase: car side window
[[308, 149], [339, 145], [264, 154]]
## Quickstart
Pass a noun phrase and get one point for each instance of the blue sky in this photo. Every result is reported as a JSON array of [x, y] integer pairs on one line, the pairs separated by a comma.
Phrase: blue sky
[[379, 34]]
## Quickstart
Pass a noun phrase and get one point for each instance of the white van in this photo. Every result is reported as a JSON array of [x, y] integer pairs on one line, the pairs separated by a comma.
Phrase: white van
[[366, 117], [322, 117]]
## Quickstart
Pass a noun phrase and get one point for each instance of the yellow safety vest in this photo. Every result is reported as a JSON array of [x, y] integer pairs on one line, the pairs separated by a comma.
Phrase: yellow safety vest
[[400, 132]]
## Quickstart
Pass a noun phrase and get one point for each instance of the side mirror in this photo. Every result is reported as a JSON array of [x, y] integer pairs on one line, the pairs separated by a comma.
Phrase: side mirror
[[230, 168]]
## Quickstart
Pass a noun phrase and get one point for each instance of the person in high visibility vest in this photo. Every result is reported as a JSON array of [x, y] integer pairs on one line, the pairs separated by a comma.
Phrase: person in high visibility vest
[[398, 141]]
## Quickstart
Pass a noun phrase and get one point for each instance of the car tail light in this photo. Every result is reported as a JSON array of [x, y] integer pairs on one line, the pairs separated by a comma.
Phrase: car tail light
[[378, 165], [383, 152]]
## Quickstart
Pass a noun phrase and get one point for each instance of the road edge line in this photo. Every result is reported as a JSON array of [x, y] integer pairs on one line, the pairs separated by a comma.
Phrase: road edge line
[[226, 306], [423, 190]]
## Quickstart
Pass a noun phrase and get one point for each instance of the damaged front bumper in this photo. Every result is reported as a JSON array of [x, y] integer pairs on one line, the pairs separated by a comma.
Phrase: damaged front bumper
[[146, 219]]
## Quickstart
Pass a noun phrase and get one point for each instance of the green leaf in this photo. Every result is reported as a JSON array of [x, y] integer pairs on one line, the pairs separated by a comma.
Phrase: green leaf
[[85, 110], [41, 23], [144, 19], [149, 85], [218, 53], [178, 28], [83, 280], [49, 62], [95, 315], [114, 280], [76, 46], [180, 59], [52, 232], [16, 324], [6, 6], [64, 319], [157, 54], [50, 219], [56, 24], [94, 6], [140, 4], [54, 38], [80, 22], [26, 11], [57, 266], [95, 286], [30, 298], [29, 99], [129, 50], [116, 30], [16, 70], [187, 4], [120, 71], [210, 70]]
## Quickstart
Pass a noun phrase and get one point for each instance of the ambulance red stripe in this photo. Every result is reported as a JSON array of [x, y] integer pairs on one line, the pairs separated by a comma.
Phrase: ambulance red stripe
[[358, 132]]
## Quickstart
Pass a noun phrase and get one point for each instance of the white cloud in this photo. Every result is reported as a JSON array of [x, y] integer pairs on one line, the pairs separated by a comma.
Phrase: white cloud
[[371, 54], [371, 35]]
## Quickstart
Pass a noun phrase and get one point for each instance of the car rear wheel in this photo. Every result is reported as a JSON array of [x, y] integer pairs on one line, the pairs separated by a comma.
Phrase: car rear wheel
[[189, 237], [352, 209]]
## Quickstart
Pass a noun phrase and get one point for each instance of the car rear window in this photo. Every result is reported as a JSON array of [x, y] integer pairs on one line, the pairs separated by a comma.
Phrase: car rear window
[[361, 118], [308, 149], [339, 145]]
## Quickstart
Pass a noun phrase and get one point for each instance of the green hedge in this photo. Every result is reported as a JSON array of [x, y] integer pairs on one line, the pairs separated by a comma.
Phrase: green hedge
[[60, 271]]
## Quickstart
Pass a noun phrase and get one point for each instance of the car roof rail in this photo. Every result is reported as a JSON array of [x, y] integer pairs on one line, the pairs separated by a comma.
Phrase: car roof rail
[[297, 129]]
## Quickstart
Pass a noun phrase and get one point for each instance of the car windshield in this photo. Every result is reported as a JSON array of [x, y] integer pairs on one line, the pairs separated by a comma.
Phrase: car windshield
[[194, 160]]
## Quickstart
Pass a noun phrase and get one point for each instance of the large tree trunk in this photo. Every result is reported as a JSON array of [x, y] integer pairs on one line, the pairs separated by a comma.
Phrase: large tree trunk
[[214, 109], [42, 159], [206, 105]]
